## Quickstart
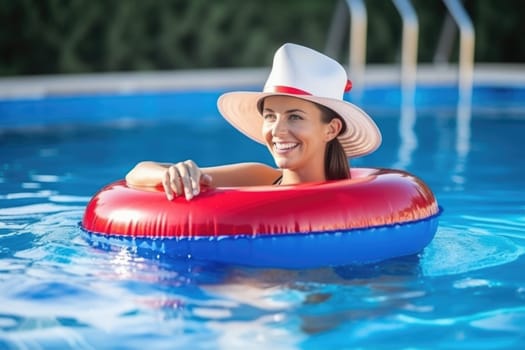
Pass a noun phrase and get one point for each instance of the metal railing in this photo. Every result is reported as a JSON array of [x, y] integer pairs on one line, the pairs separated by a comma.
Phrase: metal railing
[[357, 54], [466, 47], [409, 46]]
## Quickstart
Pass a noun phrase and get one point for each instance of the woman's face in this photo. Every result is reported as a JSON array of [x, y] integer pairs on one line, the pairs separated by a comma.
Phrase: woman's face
[[295, 133]]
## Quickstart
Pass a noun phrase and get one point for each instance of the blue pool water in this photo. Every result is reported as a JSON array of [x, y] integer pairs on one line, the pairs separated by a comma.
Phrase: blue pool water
[[466, 290]]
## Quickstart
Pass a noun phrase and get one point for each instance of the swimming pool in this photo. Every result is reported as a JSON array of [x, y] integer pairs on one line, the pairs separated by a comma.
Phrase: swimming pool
[[466, 290]]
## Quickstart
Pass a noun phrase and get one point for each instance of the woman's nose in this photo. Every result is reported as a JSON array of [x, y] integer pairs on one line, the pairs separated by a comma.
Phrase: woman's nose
[[279, 127]]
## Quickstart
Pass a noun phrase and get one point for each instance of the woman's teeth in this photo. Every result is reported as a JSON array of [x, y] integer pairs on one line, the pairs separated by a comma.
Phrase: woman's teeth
[[284, 146]]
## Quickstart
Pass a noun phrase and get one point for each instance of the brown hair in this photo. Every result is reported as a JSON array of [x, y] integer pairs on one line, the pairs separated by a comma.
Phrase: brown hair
[[336, 165]]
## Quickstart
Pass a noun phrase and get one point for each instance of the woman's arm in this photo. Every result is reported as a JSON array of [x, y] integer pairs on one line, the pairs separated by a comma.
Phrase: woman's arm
[[186, 177], [147, 174], [242, 174]]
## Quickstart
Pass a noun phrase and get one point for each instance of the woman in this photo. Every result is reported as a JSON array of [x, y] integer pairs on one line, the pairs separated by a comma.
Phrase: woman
[[300, 116]]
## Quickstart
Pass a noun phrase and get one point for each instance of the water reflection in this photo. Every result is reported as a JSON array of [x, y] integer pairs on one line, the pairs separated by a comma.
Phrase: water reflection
[[407, 135], [264, 301], [322, 300], [463, 119]]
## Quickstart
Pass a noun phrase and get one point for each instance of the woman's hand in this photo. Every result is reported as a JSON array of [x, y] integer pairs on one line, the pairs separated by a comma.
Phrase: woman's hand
[[184, 178]]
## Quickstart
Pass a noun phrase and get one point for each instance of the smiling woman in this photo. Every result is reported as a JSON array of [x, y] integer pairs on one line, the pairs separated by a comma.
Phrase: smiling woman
[[301, 117]]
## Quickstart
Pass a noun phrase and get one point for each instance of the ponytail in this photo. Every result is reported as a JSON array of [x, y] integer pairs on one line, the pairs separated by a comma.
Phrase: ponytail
[[336, 165]]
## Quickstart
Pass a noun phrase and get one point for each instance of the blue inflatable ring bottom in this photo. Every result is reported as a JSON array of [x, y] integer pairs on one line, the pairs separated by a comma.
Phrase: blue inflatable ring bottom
[[356, 246]]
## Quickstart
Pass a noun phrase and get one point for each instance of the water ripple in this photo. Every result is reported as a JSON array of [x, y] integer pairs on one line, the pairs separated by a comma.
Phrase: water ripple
[[34, 209], [483, 319], [455, 251]]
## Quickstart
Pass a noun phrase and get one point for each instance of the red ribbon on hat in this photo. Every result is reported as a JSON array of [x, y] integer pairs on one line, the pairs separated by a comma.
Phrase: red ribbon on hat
[[295, 91], [348, 86], [288, 90]]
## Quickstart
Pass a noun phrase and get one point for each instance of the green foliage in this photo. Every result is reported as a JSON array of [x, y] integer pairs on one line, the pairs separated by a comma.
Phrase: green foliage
[[503, 32], [72, 36]]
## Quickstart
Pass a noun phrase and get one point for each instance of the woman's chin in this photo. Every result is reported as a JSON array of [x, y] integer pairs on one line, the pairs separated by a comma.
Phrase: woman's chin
[[283, 163]]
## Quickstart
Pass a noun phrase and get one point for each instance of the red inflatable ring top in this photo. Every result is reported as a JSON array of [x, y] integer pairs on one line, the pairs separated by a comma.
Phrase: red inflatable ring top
[[376, 203]]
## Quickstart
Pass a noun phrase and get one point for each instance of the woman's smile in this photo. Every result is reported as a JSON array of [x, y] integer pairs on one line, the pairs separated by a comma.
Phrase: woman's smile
[[284, 147]]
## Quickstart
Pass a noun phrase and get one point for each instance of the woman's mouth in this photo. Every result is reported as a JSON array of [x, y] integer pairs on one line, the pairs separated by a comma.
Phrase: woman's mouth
[[283, 147]]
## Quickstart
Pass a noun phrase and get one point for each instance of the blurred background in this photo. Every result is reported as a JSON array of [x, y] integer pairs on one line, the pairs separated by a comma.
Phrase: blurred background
[[85, 36]]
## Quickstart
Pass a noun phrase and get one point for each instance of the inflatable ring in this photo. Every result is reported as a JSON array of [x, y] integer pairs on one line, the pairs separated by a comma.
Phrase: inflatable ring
[[377, 215]]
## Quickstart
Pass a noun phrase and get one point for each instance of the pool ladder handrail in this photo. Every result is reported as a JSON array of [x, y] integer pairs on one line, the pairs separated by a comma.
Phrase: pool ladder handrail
[[356, 10], [466, 47], [357, 52], [409, 46]]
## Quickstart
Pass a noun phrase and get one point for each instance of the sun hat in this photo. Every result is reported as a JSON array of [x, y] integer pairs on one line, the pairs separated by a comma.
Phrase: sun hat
[[304, 73]]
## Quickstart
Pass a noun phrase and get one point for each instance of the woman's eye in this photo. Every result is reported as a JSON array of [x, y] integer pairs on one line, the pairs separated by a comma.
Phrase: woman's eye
[[295, 117], [269, 117]]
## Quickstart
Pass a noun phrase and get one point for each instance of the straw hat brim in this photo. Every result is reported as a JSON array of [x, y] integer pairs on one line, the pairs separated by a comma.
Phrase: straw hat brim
[[360, 138]]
